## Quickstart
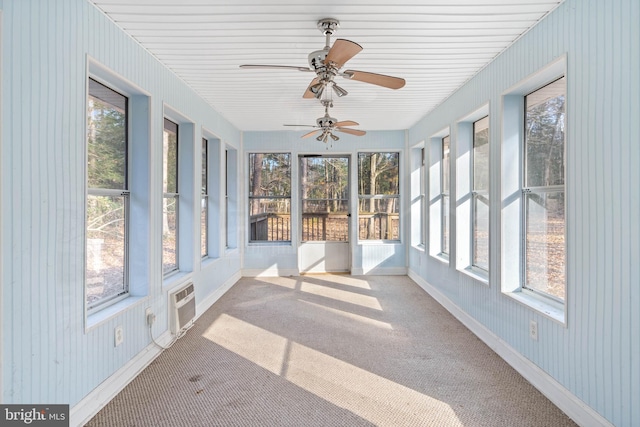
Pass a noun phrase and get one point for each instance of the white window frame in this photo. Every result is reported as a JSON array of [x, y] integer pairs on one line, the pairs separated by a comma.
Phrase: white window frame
[[125, 194], [173, 195], [418, 196], [251, 197], [204, 198], [380, 197], [477, 194], [188, 201], [445, 197], [511, 192], [465, 197], [140, 208], [231, 198], [436, 203]]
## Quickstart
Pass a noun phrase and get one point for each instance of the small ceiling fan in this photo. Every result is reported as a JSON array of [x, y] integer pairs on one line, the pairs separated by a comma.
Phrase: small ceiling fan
[[326, 63], [326, 125]]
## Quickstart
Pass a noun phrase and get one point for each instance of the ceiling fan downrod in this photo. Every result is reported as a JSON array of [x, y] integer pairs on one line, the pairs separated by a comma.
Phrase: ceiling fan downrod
[[328, 26]]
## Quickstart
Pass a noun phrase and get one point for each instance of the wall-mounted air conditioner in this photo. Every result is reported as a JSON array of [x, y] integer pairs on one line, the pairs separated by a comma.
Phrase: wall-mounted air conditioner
[[183, 308]]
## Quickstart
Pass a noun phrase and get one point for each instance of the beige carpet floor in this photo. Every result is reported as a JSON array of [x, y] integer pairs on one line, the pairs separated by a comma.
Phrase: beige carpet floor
[[329, 350]]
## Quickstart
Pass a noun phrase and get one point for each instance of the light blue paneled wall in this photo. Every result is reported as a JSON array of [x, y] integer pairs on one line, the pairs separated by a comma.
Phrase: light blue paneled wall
[[596, 356], [48, 353], [366, 257]]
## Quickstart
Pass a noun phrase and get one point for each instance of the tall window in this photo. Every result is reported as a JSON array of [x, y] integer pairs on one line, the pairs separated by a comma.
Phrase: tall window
[[204, 202], [108, 196], [269, 197], [444, 193], [378, 196], [170, 197], [226, 199], [423, 197], [480, 205], [543, 190]]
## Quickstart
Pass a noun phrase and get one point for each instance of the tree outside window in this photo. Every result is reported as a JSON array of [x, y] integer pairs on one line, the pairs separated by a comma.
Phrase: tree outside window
[[108, 196], [378, 196], [480, 206], [170, 197], [269, 197], [544, 191]]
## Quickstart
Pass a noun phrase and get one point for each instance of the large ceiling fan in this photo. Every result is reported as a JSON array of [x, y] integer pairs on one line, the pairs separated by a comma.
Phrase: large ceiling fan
[[326, 125], [326, 63]]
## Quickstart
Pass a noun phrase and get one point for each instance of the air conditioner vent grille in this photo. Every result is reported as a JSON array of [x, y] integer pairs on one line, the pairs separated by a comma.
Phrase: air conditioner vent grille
[[183, 308]]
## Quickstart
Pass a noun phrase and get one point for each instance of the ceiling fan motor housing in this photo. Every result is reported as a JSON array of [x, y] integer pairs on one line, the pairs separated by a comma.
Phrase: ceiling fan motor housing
[[326, 122], [316, 59]]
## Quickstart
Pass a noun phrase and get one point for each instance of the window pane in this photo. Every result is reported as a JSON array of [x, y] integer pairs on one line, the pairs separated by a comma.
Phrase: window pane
[[544, 135], [480, 232], [378, 173], [324, 177], [205, 166], [325, 220], [324, 188], [545, 243], [378, 219], [481, 155], [106, 248], [170, 157], [106, 138], [204, 229], [446, 155], [445, 224], [170, 235], [269, 174], [226, 198], [270, 219]]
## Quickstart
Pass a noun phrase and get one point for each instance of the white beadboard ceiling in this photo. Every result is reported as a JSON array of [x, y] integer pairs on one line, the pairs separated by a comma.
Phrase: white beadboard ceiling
[[436, 45]]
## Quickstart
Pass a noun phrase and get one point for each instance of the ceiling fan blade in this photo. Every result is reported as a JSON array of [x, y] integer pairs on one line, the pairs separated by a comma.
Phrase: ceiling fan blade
[[376, 79], [307, 93], [346, 123], [284, 67], [313, 132], [351, 131], [342, 51]]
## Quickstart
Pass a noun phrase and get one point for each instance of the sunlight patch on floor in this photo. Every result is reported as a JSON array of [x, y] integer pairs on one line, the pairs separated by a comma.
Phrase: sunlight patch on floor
[[351, 316], [258, 345], [340, 383], [340, 295]]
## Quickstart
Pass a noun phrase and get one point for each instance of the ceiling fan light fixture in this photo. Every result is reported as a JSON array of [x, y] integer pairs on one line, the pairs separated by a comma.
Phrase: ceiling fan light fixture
[[317, 90], [339, 91], [335, 138]]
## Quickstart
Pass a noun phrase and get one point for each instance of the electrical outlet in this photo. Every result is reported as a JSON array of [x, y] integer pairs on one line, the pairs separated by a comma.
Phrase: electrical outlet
[[118, 336], [533, 330], [151, 318]]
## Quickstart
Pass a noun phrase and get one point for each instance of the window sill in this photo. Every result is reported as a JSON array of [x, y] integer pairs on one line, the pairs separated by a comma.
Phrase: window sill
[[443, 258], [419, 248], [231, 251], [379, 242], [174, 279], [271, 243], [545, 306], [107, 313], [477, 274], [206, 261]]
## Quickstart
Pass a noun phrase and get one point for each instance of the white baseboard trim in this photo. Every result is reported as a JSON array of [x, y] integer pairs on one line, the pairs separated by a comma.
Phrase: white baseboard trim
[[270, 272], [215, 295], [380, 271], [97, 399], [92, 403], [571, 405]]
